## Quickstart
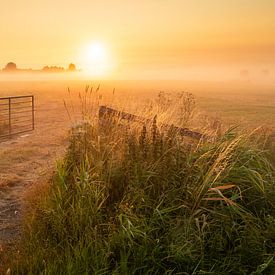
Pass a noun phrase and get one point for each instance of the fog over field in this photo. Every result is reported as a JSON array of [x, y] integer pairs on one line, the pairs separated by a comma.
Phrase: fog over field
[[137, 137], [244, 102]]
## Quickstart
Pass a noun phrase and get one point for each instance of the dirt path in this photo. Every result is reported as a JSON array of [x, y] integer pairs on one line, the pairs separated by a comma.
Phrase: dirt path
[[26, 160]]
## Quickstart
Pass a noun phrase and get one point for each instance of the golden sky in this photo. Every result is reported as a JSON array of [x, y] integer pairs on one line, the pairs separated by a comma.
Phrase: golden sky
[[153, 36]]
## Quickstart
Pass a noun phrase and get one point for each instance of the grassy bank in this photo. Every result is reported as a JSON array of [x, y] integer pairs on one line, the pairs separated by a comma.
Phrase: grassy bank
[[139, 199]]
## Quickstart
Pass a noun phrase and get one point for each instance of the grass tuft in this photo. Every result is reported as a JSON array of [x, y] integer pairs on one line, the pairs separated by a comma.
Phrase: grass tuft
[[139, 199]]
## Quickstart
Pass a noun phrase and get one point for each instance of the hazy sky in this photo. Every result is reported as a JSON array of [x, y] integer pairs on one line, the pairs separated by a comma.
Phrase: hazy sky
[[153, 37]]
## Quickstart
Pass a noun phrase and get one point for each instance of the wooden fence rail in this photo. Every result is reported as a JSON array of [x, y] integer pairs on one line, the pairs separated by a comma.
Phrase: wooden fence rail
[[106, 112]]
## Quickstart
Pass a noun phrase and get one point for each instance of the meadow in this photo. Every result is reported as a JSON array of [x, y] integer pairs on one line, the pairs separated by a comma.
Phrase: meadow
[[137, 198], [238, 102]]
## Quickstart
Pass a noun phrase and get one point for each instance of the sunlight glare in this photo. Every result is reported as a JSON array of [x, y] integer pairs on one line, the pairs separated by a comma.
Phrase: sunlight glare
[[96, 59]]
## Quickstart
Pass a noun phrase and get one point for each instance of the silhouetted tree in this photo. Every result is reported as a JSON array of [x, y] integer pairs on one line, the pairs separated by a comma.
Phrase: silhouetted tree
[[10, 67], [72, 67], [53, 69]]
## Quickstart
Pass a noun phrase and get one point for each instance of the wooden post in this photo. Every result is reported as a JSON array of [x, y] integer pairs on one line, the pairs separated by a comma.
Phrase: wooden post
[[107, 112]]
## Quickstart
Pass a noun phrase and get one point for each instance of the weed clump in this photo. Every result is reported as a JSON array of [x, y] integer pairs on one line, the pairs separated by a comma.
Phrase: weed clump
[[131, 199]]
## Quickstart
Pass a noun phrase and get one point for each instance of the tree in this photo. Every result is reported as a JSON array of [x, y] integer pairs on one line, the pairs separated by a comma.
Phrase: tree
[[53, 69], [72, 67], [10, 67]]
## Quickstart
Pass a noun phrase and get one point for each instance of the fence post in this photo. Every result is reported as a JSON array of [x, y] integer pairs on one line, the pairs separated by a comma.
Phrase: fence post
[[9, 115], [32, 112]]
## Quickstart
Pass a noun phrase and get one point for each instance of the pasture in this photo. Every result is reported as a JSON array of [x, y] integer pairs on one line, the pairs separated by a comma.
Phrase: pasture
[[244, 103], [130, 221]]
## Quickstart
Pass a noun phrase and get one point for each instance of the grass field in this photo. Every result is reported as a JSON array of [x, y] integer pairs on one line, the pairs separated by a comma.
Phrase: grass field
[[139, 199], [245, 103]]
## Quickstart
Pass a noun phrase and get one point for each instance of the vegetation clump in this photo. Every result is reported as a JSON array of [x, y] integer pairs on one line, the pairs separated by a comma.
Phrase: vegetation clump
[[139, 199]]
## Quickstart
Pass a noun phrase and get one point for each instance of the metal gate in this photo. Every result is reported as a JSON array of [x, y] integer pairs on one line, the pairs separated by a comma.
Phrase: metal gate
[[16, 115]]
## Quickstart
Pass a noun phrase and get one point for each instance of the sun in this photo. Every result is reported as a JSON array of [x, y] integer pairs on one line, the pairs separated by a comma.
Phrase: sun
[[97, 52], [96, 59]]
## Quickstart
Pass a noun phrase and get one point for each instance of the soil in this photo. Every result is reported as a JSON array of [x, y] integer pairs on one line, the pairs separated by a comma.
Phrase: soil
[[27, 160]]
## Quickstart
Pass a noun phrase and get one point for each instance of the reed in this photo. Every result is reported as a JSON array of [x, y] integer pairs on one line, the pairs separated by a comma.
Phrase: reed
[[134, 198]]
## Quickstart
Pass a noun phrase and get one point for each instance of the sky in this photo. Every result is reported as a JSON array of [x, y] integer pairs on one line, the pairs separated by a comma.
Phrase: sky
[[141, 39]]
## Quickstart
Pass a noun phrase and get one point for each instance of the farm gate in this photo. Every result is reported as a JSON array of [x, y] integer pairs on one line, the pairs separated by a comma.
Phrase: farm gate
[[16, 115]]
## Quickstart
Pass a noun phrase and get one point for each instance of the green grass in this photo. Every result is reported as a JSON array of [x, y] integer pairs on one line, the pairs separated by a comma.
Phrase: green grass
[[141, 200]]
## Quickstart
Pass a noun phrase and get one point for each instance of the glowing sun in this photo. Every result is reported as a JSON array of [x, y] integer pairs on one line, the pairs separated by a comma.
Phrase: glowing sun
[[96, 59]]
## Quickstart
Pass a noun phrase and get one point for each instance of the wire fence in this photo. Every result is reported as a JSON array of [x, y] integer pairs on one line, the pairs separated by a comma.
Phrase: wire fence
[[16, 115]]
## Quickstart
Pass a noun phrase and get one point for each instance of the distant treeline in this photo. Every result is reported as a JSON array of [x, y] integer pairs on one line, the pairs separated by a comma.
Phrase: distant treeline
[[12, 67]]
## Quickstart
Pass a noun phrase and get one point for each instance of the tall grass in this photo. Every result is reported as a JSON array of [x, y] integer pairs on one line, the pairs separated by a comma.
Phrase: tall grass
[[139, 199]]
